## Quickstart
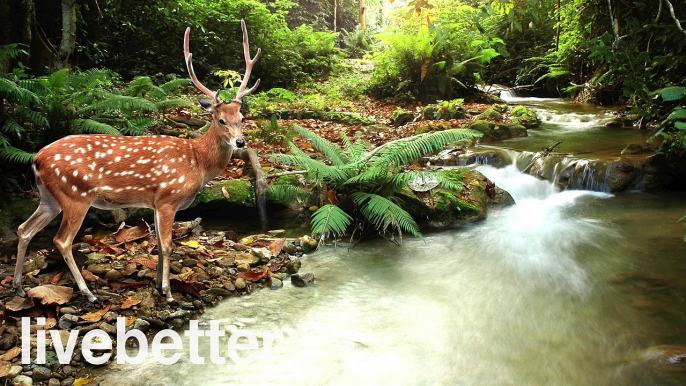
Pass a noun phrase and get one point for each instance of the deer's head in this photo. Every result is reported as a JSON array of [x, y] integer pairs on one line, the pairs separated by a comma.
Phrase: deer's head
[[227, 119]]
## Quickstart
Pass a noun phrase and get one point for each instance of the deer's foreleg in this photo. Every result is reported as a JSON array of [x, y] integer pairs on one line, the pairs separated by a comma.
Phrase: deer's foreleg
[[164, 220]]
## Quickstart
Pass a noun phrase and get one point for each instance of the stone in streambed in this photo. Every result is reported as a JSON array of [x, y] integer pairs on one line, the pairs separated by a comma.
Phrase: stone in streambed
[[99, 269], [67, 321], [22, 380], [54, 382], [113, 275], [14, 371], [240, 283], [276, 284], [302, 279], [41, 373]]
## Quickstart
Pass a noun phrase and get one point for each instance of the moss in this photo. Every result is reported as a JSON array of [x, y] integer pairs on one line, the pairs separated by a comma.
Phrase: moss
[[486, 128], [401, 117], [291, 179], [515, 128], [352, 119], [491, 114], [525, 116], [240, 192], [448, 110]]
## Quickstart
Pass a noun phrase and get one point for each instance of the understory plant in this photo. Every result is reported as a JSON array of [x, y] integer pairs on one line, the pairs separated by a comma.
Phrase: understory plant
[[361, 184]]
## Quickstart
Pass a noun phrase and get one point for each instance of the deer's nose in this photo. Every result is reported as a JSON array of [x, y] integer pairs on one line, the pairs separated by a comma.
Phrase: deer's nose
[[240, 143]]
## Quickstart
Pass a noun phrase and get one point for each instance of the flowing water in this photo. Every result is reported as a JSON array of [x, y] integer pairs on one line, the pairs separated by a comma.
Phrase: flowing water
[[563, 288]]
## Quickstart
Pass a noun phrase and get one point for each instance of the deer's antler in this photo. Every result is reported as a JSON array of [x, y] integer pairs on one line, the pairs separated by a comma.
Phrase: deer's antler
[[248, 67], [189, 64]]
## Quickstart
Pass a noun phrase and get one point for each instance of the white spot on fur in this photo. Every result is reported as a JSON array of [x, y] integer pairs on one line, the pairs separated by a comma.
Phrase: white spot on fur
[[64, 179], [73, 187], [117, 159], [181, 179]]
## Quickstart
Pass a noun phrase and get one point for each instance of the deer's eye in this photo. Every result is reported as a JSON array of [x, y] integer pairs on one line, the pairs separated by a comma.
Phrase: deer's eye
[[222, 122]]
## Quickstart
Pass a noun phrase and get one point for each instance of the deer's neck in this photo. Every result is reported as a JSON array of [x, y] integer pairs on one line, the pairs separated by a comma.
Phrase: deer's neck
[[212, 153]]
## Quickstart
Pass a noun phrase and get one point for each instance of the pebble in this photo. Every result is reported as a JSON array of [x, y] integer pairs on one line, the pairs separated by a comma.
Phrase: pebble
[[68, 370], [177, 323], [175, 267], [22, 380], [289, 248], [244, 267], [66, 321], [68, 381], [190, 263], [302, 279], [229, 286], [141, 324], [113, 275], [276, 284], [110, 317], [41, 373], [67, 310], [99, 269], [108, 328], [54, 382], [14, 371], [240, 283]]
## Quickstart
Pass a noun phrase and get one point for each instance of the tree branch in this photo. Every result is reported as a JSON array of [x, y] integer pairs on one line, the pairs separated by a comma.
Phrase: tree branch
[[676, 20]]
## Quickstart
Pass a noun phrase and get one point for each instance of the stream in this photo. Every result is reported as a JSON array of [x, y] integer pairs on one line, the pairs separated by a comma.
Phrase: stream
[[563, 288]]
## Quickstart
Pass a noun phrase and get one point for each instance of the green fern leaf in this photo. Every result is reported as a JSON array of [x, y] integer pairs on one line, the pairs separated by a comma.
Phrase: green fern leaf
[[329, 220], [91, 126], [286, 193], [16, 156], [385, 215], [175, 84], [329, 149]]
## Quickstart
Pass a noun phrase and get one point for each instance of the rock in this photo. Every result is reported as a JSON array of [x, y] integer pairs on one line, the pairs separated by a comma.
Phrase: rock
[[615, 122], [175, 267], [445, 110], [226, 262], [243, 267], [486, 128], [110, 317], [41, 373], [276, 284], [141, 274], [113, 275], [620, 176], [156, 323], [54, 382], [289, 248], [491, 114], [189, 263], [294, 267], [67, 321], [14, 371], [229, 286], [219, 292], [240, 247], [8, 342], [141, 324], [527, 117], [515, 129], [108, 328], [96, 256], [68, 370], [247, 258], [68, 381], [67, 310], [302, 279], [401, 117], [22, 380], [632, 148], [240, 283], [99, 269], [262, 253], [177, 323]]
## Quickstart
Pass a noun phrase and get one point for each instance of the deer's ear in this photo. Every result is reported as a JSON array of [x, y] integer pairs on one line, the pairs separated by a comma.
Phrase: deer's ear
[[205, 104]]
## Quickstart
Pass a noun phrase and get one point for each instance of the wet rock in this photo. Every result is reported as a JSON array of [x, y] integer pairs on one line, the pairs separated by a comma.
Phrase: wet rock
[[41, 373], [243, 268], [526, 116], [54, 382], [68, 321], [240, 247], [155, 323], [289, 248], [620, 176], [8, 342], [141, 324], [180, 314], [632, 148], [99, 269], [276, 284], [515, 129], [68, 370], [175, 267], [177, 323], [226, 262], [294, 267], [68, 381], [262, 253], [240, 283], [219, 291], [190, 263], [108, 328], [491, 114], [302, 279], [22, 380]]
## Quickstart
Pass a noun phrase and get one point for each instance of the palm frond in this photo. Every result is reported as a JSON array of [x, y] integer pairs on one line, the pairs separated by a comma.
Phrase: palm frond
[[16, 156], [329, 149], [385, 214], [91, 126], [329, 220]]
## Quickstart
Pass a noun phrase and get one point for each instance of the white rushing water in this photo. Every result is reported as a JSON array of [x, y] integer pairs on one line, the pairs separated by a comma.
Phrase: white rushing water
[[509, 301]]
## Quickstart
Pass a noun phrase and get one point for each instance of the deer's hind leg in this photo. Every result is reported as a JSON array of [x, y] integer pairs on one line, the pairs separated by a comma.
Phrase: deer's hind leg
[[47, 210]]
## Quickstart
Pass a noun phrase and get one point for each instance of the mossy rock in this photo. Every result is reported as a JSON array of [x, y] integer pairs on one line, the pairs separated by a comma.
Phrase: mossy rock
[[526, 116], [240, 193], [491, 114], [423, 129], [486, 128], [401, 117], [435, 112], [515, 128], [352, 119]]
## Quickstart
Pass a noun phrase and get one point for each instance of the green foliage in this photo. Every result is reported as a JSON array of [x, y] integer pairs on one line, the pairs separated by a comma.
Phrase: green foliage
[[329, 221], [370, 178], [270, 132]]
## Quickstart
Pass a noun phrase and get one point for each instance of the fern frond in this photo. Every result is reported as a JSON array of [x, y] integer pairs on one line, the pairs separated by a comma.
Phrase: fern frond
[[401, 152], [11, 51], [353, 149], [385, 214], [171, 103], [329, 149], [175, 84], [15, 93], [34, 86], [329, 220], [318, 171], [400, 180], [11, 126], [16, 156], [123, 103], [286, 193], [91, 126], [140, 87], [138, 126], [58, 80]]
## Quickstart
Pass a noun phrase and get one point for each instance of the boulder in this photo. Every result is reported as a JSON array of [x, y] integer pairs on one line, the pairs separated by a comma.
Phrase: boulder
[[491, 114], [526, 116], [401, 117]]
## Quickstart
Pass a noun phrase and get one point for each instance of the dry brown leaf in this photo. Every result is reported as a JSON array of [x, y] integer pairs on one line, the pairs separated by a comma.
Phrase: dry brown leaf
[[5, 368], [97, 315], [127, 234], [10, 354], [83, 381], [147, 263], [6, 280], [89, 276], [128, 303], [56, 279], [18, 303], [276, 246], [255, 276], [49, 323], [225, 193], [51, 294], [130, 320]]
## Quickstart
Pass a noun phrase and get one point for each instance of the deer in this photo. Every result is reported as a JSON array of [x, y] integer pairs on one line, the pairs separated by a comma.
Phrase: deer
[[159, 172]]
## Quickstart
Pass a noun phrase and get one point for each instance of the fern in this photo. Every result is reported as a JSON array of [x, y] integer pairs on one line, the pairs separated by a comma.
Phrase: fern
[[171, 103], [330, 150], [15, 93], [285, 193], [120, 103], [404, 151], [329, 220], [174, 85], [138, 126], [90, 126], [11, 51], [17, 156], [385, 214], [400, 180]]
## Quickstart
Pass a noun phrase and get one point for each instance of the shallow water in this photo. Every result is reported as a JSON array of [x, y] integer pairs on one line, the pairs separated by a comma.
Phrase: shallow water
[[521, 298]]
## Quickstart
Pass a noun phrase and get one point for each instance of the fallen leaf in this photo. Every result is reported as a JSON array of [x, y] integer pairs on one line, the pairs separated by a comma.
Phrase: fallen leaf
[[56, 279], [474, 183], [110, 250], [255, 276], [49, 323], [89, 276], [186, 287], [117, 285], [147, 263], [276, 246], [6, 280], [128, 303], [191, 243], [225, 193], [90, 239], [97, 315], [130, 320], [51, 294], [5, 368], [83, 381], [126, 234], [11, 354]]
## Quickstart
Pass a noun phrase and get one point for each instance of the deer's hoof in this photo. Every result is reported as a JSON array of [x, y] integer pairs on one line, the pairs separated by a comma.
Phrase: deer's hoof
[[173, 303], [96, 301], [20, 292]]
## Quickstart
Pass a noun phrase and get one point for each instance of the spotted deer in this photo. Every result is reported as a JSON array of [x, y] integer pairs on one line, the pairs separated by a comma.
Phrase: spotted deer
[[158, 172]]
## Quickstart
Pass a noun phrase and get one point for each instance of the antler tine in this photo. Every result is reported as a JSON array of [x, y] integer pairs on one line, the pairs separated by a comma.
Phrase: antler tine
[[189, 64], [248, 66]]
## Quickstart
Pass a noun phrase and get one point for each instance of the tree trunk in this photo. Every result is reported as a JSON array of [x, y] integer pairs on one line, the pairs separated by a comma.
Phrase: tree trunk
[[335, 15], [363, 24], [68, 42], [559, 21]]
